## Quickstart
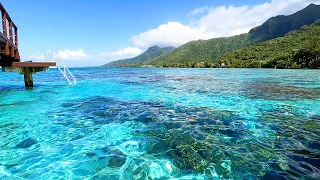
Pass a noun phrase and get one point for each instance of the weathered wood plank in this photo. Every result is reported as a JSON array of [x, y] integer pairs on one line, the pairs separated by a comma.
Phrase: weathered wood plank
[[33, 64]]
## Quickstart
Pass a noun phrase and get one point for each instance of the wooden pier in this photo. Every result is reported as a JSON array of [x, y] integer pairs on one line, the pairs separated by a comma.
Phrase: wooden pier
[[9, 52]]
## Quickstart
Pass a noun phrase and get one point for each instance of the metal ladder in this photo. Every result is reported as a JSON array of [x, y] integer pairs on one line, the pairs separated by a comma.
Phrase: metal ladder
[[64, 70]]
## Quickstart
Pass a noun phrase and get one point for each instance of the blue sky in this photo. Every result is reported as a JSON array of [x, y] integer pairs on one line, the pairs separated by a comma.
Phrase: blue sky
[[90, 33]]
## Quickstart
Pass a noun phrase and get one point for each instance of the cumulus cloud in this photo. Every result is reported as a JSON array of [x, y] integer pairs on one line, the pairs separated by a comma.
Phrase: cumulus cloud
[[198, 11], [75, 58], [124, 53], [232, 20], [131, 51], [217, 22], [66, 55], [72, 55], [172, 33]]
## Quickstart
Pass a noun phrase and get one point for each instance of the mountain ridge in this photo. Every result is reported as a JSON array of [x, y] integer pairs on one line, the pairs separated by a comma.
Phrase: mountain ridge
[[211, 50], [151, 52], [285, 24], [297, 49]]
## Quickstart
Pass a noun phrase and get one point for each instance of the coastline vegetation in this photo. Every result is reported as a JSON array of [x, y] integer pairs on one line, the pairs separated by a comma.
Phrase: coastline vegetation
[[287, 42], [297, 49], [151, 53]]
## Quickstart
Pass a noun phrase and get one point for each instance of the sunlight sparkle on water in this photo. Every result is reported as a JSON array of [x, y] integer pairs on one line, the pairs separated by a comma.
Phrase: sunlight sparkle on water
[[161, 123]]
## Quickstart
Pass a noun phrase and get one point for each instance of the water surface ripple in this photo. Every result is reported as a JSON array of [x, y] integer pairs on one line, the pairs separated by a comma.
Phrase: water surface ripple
[[162, 124]]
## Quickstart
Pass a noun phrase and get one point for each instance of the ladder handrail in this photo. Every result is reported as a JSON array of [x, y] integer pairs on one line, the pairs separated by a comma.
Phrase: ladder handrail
[[65, 72]]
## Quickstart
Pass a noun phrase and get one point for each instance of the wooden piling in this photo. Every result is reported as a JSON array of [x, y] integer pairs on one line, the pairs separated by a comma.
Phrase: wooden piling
[[27, 69], [28, 80]]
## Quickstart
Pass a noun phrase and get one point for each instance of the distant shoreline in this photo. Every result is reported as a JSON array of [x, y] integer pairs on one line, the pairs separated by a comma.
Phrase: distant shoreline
[[201, 68]]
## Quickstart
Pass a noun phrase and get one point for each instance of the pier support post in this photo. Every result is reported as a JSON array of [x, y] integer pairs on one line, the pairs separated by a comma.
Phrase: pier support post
[[28, 69], [28, 80]]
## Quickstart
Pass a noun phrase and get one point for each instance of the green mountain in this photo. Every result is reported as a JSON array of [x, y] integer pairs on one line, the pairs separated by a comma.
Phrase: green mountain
[[209, 51], [297, 49], [280, 25], [201, 51], [151, 53]]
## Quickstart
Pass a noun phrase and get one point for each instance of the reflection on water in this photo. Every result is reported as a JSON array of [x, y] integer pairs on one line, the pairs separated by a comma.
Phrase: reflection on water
[[163, 124]]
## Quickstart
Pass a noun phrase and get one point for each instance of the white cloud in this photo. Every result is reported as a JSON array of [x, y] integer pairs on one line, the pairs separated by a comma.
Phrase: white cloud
[[124, 53], [198, 11], [73, 55], [228, 21], [172, 33], [71, 58], [78, 58], [128, 51], [217, 22]]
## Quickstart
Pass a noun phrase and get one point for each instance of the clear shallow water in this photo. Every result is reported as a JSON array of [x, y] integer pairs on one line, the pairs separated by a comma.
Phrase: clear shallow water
[[161, 124]]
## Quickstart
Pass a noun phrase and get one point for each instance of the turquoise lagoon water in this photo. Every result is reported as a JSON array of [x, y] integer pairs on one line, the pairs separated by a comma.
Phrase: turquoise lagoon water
[[161, 124]]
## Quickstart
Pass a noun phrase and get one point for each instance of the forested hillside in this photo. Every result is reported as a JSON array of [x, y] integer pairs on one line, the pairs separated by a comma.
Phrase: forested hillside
[[207, 52], [297, 49]]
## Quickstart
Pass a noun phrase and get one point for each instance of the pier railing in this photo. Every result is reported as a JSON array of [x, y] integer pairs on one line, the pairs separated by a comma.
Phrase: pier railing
[[8, 37], [9, 53]]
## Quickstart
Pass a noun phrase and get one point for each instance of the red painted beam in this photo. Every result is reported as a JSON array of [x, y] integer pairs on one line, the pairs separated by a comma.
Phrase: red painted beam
[[16, 38], [3, 10], [12, 52], [17, 55], [6, 49], [4, 22], [7, 39], [33, 64], [10, 31], [11, 42]]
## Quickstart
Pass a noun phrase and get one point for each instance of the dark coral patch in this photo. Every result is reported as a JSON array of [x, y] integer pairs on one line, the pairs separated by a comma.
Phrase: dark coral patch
[[27, 143]]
